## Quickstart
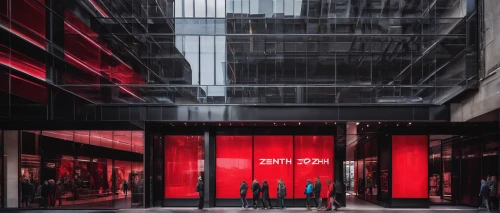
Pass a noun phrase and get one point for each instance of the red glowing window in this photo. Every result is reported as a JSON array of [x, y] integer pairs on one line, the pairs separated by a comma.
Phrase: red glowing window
[[233, 165], [409, 166], [28, 18], [21, 62], [313, 158], [273, 159], [184, 159]]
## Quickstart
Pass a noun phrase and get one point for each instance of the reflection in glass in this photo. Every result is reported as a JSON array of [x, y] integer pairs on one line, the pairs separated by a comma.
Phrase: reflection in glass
[[73, 169], [233, 165], [184, 163], [447, 159]]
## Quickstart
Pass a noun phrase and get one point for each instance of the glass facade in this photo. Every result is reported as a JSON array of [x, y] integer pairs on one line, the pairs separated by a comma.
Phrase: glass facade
[[75, 169], [206, 66], [239, 51]]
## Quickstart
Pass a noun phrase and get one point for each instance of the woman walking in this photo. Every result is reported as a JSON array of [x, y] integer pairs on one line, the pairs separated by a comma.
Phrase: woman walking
[[332, 196], [308, 192]]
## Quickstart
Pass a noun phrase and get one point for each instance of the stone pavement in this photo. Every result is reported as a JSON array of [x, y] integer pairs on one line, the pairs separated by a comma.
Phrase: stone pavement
[[354, 205]]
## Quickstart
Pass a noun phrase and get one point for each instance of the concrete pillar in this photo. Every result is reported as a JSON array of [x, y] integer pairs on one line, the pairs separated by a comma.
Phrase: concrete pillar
[[11, 172]]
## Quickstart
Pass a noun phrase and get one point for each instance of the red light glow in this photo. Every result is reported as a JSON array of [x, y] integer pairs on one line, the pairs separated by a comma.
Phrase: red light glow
[[99, 9], [410, 166]]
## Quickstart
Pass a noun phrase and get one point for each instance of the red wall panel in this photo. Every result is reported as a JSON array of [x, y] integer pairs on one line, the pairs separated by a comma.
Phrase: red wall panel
[[272, 160], [410, 166], [28, 18], [233, 165], [183, 164], [313, 158]]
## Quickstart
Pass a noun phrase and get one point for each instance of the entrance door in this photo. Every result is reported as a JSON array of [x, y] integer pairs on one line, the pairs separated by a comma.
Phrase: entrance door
[[349, 176], [470, 171]]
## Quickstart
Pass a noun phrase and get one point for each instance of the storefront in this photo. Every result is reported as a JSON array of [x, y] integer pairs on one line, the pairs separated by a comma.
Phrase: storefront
[[159, 166], [245, 154], [416, 167], [73, 168]]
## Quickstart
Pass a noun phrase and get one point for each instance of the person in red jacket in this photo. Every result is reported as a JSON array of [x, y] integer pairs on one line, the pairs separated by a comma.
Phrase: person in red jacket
[[331, 196]]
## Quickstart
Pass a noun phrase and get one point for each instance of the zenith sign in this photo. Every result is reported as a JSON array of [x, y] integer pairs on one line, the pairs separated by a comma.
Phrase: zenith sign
[[300, 161]]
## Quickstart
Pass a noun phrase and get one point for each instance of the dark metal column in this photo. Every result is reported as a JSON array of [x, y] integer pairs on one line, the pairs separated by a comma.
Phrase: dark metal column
[[209, 167], [148, 168], [340, 157]]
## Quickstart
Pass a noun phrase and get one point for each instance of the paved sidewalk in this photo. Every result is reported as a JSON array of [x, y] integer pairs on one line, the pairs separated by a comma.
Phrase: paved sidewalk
[[354, 205]]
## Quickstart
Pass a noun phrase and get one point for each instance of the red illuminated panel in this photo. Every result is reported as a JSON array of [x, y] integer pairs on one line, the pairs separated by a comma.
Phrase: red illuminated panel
[[28, 89], [313, 158], [81, 50], [86, 51], [233, 165], [409, 166], [183, 164], [23, 63], [272, 160], [28, 18]]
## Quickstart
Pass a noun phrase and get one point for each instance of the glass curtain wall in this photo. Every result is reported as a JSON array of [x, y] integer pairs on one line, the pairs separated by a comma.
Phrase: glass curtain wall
[[236, 51], [81, 169]]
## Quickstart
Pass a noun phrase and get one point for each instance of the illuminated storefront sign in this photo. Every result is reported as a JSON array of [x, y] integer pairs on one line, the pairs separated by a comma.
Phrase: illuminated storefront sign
[[288, 161]]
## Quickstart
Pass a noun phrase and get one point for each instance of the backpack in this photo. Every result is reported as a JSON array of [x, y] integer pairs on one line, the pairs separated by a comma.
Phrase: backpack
[[283, 190]]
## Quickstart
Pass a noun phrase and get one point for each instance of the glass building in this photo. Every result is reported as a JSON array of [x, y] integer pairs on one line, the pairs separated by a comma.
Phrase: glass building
[[124, 103]]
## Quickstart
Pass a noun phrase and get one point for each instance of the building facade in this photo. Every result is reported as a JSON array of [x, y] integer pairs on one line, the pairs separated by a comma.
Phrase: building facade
[[125, 103]]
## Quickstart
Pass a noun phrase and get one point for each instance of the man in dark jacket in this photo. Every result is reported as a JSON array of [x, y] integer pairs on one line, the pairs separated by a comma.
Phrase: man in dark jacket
[[483, 193], [28, 192], [255, 193], [44, 196], [243, 194], [493, 192], [317, 192], [265, 195], [200, 189]]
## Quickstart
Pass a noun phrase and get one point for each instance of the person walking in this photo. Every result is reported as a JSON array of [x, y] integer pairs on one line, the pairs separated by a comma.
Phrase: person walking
[[28, 193], [52, 193], [281, 193], [125, 188], [255, 193], [200, 189], [332, 196], [44, 195], [308, 192], [317, 193], [265, 195], [243, 194], [493, 193], [483, 193], [59, 192]]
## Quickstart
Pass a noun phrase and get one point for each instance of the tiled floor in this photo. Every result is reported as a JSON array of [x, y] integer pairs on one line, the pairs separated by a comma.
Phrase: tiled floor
[[354, 205]]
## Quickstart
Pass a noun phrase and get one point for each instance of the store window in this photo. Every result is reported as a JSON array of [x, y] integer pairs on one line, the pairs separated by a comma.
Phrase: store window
[[313, 158], [273, 158], [410, 166], [82, 169], [233, 165], [184, 163]]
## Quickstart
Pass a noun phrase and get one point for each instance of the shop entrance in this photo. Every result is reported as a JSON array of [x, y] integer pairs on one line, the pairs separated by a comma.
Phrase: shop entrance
[[440, 169], [349, 176]]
